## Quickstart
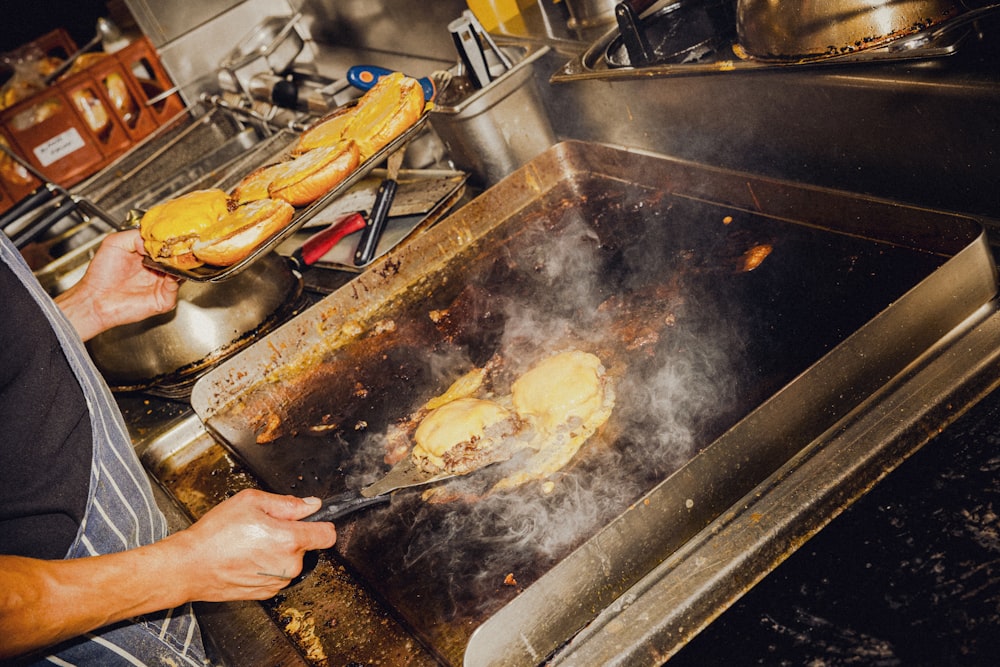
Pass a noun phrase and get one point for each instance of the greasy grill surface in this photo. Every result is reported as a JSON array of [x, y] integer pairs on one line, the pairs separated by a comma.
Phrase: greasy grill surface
[[700, 311]]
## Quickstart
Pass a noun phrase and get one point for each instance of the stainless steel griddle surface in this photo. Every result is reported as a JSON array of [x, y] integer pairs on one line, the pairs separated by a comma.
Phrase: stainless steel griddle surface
[[739, 318]]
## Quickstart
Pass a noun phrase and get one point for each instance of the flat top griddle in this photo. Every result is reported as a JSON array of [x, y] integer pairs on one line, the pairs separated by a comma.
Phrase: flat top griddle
[[707, 294]]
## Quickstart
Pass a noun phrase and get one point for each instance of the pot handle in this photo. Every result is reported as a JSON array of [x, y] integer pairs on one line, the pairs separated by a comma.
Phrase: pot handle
[[364, 77], [339, 506], [632, 31]]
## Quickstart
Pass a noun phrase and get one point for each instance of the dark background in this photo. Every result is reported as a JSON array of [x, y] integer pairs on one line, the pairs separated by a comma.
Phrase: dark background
[[26, 20]]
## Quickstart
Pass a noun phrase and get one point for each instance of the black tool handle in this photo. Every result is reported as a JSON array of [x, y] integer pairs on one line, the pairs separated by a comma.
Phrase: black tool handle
[[633, 33], [339, 506], [376, 223], [40, 225], [37, 197]]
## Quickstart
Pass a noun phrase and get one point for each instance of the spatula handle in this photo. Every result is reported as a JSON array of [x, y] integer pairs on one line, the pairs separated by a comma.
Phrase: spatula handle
[[339, 506]]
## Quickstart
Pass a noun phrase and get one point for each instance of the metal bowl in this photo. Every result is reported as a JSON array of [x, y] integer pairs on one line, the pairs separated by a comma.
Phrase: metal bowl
[[211, 322], [793, 30]]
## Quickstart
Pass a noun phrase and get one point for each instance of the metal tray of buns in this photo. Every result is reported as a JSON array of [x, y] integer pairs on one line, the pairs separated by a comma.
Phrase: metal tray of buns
[[238, 170]]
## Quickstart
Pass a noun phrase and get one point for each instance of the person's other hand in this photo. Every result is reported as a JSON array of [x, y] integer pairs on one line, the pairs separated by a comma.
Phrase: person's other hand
[[250, 546], [117, 288]]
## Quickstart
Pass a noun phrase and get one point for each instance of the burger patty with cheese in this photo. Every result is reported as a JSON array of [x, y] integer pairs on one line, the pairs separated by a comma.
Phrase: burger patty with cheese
[[205, 227], [554, 408], [464, 435]]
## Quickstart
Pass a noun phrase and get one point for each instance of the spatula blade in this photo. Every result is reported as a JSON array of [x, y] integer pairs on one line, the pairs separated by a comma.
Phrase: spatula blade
[[402, 475]]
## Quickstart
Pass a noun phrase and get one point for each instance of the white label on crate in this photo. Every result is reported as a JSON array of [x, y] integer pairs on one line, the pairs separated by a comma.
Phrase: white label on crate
[[59, 146]]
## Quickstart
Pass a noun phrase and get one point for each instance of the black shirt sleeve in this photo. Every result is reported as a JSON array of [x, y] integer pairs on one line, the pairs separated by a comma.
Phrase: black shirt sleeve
[[45, 433]]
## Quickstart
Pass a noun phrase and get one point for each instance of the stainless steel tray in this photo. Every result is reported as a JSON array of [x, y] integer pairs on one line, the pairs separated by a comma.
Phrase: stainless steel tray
[[208, 273]]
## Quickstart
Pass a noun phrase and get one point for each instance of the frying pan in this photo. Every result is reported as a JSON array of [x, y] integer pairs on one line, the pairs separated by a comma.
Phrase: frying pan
[[166, 353], [791, 30]]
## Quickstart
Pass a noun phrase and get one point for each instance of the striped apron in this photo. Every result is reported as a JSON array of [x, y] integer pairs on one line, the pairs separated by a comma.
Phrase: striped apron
[[121, 514]]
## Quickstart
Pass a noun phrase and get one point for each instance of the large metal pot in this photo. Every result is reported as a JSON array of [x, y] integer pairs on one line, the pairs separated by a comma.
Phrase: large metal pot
[[794, 30], [211, 322]]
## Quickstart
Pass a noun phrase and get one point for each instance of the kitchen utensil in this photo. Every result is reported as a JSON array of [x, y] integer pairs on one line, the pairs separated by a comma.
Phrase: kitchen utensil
[[432, 195], [790, 30], [339, 506], [317, 245], [364, 77], [403, 475], [407, 474], [106, 31], [271, 46], [681, 31], [477, 50], [470, 52], [210, 323], [379, 214], [484, 36]]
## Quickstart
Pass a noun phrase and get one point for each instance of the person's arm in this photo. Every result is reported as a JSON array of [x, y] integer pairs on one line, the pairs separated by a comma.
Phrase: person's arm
[[246, 548], [117, 288]]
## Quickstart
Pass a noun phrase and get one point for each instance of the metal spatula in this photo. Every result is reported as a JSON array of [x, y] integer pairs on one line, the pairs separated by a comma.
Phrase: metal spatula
[[404, 474]]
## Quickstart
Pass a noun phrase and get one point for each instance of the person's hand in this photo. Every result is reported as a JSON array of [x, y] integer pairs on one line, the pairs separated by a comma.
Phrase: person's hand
[[249, 546], [117, 288]]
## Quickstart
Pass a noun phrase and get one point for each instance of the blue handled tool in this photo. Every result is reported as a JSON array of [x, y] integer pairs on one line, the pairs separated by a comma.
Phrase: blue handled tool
[[363, 77]]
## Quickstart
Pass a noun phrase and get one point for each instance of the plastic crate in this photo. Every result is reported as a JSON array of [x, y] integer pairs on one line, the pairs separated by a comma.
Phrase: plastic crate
[[125, 97], [48, 132], [57, 44], [83, 121], [16, 181], [91, 102], [150, 79], [5, 199]]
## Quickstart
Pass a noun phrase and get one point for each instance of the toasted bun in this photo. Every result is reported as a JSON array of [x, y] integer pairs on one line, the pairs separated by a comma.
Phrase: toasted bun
[[309, 176], [238, 233], [327, 132], [394, 104], [254, 185], [382, 114], [169, 229]]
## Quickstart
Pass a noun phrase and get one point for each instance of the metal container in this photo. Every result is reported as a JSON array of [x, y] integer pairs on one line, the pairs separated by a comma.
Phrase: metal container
[[496, 129], [271, 47], [210, 323], [790, 30]]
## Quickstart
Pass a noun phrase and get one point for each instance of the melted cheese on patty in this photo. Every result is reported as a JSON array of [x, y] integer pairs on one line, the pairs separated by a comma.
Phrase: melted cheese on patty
[[560, 388], [465, 420]]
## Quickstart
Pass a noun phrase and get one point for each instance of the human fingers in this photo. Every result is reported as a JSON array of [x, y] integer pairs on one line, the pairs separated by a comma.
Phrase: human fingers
[[286, 512], [291, 508], [128, 240], [306, 536]]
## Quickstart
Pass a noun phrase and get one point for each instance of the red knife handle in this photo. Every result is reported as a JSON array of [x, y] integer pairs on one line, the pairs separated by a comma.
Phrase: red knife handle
[[318, 244]]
